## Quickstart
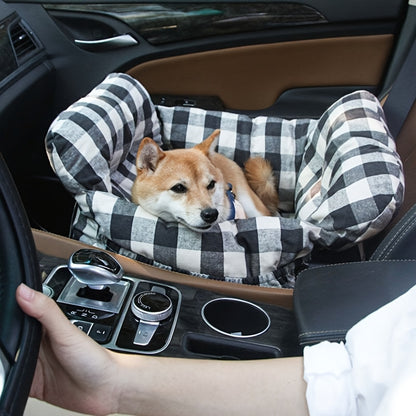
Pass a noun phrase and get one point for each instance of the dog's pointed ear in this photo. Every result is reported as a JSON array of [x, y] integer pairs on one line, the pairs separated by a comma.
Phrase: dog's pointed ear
[[209, 144], [148, 155]]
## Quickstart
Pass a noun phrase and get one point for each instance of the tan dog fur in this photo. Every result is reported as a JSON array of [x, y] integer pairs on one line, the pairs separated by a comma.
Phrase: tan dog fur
[[189, 185]]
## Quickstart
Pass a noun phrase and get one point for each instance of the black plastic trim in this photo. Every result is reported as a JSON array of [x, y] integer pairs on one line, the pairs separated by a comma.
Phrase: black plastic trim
[[19, 334], [209, 346], [307, 102]]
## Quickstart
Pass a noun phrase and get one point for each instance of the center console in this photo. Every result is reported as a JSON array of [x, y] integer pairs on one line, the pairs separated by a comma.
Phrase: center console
[[134, 314]]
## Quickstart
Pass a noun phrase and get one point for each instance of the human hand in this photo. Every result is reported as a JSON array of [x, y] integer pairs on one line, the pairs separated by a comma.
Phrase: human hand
[[76, 373], [73, 371]]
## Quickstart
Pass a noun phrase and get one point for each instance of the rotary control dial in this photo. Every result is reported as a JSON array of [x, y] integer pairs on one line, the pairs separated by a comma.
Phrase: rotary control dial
[[151, 306]]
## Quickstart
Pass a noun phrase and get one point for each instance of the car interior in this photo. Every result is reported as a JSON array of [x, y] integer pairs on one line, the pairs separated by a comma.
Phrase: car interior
[[284, 59]]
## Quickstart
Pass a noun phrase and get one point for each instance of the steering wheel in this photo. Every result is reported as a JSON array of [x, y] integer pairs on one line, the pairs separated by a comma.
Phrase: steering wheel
[[19, 334]]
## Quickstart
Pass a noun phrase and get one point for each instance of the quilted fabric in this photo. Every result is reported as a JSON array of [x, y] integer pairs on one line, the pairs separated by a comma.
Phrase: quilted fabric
[[339, 179]]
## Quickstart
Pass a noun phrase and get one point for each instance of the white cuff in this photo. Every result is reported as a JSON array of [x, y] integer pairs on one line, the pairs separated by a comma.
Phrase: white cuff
[[327, 371]]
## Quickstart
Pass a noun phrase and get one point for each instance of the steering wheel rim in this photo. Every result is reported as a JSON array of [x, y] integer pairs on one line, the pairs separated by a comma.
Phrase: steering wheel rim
[[19, 334]]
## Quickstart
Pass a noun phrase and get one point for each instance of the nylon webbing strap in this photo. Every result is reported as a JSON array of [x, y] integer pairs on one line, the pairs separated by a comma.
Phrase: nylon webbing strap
[[402, 95]]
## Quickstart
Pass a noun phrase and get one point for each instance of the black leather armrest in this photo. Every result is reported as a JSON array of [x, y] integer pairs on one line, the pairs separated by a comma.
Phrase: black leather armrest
[[329, 300], [400, 242]]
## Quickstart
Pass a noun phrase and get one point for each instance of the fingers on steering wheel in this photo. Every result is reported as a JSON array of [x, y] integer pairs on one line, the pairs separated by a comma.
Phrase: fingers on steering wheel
[[41, 307]]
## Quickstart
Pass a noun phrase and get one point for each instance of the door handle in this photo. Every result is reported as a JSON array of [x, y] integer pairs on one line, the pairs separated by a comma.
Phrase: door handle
[[99, 45]]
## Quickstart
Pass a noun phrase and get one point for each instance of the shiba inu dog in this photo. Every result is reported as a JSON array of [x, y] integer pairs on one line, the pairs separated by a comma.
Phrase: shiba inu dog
[[199, 187]]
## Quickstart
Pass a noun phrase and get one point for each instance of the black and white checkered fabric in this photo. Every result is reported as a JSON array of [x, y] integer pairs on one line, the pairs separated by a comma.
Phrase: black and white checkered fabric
[[340, 181]]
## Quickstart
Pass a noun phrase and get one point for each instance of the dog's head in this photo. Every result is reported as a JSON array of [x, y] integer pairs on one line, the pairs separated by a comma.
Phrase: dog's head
[[181, 185]]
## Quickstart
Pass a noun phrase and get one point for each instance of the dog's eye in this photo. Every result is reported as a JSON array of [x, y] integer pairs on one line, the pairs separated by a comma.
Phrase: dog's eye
[[179, 188], [211, 185]]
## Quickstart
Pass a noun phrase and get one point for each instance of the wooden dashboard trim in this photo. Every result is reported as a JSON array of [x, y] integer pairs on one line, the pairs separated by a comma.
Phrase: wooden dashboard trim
[[62, 247]]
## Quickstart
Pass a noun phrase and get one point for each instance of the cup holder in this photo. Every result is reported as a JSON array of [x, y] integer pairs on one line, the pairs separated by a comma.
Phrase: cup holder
[[235, 317]]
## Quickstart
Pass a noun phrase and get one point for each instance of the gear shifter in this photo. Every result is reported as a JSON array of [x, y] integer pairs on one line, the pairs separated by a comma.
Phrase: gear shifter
[[96, 269]]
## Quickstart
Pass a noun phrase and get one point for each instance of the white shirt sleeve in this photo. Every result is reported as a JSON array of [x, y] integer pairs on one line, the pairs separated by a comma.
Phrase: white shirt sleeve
[[374, 374], [329, 380]]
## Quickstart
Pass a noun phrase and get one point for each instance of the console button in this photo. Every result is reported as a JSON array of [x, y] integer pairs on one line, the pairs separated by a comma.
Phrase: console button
[[100, 333], [83, 326], [145, 332]]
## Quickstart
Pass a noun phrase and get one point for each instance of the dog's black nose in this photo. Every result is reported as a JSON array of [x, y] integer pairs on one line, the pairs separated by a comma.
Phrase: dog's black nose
[[209, 215]]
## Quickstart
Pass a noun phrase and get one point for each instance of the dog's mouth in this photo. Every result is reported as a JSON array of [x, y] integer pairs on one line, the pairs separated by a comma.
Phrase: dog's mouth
[[199, 228]]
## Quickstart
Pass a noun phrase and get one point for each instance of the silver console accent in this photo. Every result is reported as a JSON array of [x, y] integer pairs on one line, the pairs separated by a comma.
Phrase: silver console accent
[[119, 41], [119, 291], [150, 308], [95, 268], [145, 332], [236, 318]]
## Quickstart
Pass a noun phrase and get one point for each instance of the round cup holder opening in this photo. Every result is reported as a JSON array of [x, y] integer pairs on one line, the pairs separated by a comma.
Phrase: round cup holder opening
[[235, 317]]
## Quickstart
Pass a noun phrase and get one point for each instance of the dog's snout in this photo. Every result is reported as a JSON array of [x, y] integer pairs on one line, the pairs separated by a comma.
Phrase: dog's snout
[[209, 215]]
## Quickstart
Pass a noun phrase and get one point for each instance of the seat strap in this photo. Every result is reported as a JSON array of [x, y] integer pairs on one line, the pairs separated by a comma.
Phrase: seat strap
[[403, 93]]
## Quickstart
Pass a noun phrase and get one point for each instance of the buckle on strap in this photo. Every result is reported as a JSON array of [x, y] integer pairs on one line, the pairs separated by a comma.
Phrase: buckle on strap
[[231, 197]]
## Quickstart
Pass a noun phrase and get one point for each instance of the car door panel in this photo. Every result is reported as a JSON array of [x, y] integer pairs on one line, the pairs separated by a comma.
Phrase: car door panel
[[253, 77], [245, 54], [253, 49]]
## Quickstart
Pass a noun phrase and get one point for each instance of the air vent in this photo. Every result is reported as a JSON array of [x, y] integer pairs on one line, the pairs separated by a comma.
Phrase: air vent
[[23, 42]]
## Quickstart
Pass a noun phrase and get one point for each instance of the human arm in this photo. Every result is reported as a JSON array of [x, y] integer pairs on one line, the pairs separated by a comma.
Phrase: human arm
[[76, 373]]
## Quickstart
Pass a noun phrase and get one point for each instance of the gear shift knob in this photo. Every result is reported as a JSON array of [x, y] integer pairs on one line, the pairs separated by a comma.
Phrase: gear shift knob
[[95, 268]]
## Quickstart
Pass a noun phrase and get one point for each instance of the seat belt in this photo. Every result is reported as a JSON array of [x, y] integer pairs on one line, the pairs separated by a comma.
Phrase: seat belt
[[403, 92]]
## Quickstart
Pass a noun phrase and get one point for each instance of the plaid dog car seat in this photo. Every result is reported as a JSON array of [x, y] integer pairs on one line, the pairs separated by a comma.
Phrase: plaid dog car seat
[[339, 180]]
